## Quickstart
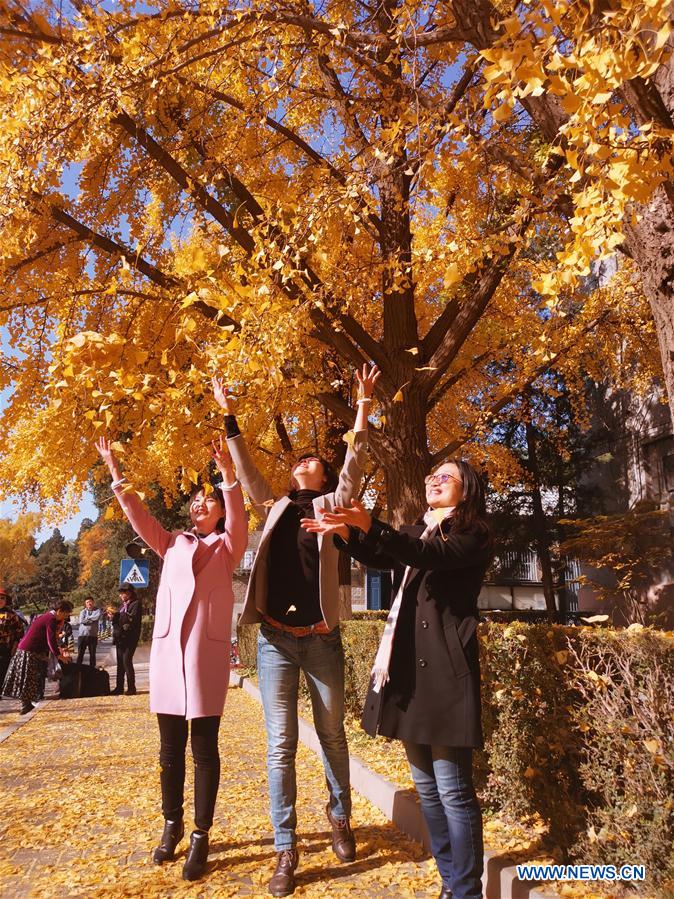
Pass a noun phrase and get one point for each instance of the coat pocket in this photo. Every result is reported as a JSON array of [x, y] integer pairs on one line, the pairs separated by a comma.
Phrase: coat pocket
[[162, 621], [219, 609], [455, 650]]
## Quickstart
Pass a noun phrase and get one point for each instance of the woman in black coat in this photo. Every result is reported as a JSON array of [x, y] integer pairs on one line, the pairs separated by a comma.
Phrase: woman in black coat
[[126, 628], [425, 687]]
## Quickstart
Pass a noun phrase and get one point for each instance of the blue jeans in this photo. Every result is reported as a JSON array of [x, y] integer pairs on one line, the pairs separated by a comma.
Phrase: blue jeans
[[280, 658], [443, 777]]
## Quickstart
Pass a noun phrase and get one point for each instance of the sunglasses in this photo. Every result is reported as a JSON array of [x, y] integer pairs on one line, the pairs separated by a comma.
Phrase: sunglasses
[[441, 478]]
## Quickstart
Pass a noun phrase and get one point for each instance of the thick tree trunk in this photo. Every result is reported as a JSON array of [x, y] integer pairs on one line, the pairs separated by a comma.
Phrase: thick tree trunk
[[651, 244], [406, 460]]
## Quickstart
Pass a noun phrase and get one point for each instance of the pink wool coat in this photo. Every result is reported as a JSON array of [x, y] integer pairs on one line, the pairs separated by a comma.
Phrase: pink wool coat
[[189, 659]]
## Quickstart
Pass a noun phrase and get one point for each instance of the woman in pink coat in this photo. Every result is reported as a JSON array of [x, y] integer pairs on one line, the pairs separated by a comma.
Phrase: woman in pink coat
[[189, 660]]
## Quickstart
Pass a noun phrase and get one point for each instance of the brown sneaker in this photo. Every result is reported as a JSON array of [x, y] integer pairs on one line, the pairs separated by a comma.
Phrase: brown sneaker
[[343, 840], [282, 882]]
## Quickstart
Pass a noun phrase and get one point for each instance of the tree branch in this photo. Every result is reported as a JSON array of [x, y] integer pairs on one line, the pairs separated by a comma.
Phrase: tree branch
[[282, 432], [188, 184], [452, 328], [292, 136], [168, 282], [512, 394]]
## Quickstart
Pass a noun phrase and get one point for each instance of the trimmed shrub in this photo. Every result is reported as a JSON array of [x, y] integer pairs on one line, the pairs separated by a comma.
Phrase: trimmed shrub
[[532, 748], [361, 639], [579, 729], [625, 681]]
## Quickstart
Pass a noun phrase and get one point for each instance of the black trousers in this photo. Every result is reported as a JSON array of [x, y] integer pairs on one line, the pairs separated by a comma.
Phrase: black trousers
[[204, 738], [84, 643], [125, 653]]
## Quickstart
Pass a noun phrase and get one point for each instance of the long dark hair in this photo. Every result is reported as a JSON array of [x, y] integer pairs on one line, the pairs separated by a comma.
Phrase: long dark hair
[[331, 476], [218, 494], [470, 515]]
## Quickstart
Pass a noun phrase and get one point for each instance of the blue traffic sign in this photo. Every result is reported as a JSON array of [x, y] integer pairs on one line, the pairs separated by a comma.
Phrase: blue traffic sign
[[134, 573]]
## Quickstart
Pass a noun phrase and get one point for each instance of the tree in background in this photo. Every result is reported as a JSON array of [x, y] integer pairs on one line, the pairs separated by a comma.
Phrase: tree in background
[[634, 548], [188, 189], [548, 432], [54, 577], [17, 542]]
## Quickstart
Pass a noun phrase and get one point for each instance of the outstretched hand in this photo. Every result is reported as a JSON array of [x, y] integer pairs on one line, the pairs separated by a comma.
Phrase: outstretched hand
[[223, 460], [339, 520], [366, 381], [322, 527], [222, 395], [104, 449]]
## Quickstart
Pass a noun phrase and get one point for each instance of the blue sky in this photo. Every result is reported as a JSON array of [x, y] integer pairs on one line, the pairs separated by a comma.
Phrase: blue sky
[[69, 527]]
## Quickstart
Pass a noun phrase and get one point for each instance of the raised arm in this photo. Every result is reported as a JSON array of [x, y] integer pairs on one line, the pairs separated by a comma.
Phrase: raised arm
[[236, 520], [145, 525], [254, 483], [352, 471]]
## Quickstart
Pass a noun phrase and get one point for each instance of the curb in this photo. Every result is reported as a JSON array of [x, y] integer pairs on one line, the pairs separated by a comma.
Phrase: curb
[[500, 880], [24, 719]]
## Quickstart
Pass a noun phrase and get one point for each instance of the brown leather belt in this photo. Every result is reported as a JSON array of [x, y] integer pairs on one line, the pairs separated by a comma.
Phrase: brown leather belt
[[318, 628]]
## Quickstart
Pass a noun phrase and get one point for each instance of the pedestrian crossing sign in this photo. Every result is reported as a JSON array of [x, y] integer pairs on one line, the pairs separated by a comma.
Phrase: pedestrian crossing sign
[[134, 572]]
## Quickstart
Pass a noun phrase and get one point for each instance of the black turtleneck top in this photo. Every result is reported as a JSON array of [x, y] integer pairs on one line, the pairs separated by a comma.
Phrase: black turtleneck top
[[293, 591]]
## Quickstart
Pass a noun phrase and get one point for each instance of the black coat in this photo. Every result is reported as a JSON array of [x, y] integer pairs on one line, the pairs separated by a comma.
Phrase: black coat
[[433, 692], [126, 625]]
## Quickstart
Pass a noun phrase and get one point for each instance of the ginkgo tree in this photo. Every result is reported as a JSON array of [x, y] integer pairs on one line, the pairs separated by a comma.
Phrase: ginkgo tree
[[278, 192], [17, 542]]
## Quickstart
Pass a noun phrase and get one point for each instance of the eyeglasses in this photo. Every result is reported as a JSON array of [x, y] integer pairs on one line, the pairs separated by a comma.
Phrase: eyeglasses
[[307, 459], [441, 478]]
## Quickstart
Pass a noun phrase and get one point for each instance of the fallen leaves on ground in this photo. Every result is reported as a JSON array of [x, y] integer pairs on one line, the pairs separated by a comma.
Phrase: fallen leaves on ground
[[79, 789]]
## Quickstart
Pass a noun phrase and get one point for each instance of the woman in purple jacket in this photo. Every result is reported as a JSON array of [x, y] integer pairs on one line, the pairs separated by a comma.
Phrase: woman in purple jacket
[[28, 669]]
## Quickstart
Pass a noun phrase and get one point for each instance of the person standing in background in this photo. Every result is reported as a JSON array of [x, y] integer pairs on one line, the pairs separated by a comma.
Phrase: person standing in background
[[11, 631], [126, 623], [87, 637]]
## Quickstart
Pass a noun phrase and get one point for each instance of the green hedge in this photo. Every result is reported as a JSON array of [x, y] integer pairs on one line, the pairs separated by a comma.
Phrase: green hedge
[[578, 730]]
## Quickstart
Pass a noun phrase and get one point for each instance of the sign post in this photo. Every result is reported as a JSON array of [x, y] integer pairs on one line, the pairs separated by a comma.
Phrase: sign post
[[134, 573]]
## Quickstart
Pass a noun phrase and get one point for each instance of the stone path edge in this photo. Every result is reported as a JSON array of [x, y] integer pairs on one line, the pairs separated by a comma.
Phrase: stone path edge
[[24, 719], [500, 880]]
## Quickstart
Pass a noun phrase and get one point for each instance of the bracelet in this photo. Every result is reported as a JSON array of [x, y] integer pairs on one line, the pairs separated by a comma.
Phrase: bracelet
[[229, 486], [118, 483], [362, 400]]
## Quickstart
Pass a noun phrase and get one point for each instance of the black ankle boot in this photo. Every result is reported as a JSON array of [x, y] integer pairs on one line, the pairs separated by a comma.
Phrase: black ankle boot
[[173, 833], [197, 856]]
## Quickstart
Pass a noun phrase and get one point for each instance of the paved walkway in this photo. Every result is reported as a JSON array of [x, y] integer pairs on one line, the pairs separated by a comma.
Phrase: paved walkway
[[79, 793]]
